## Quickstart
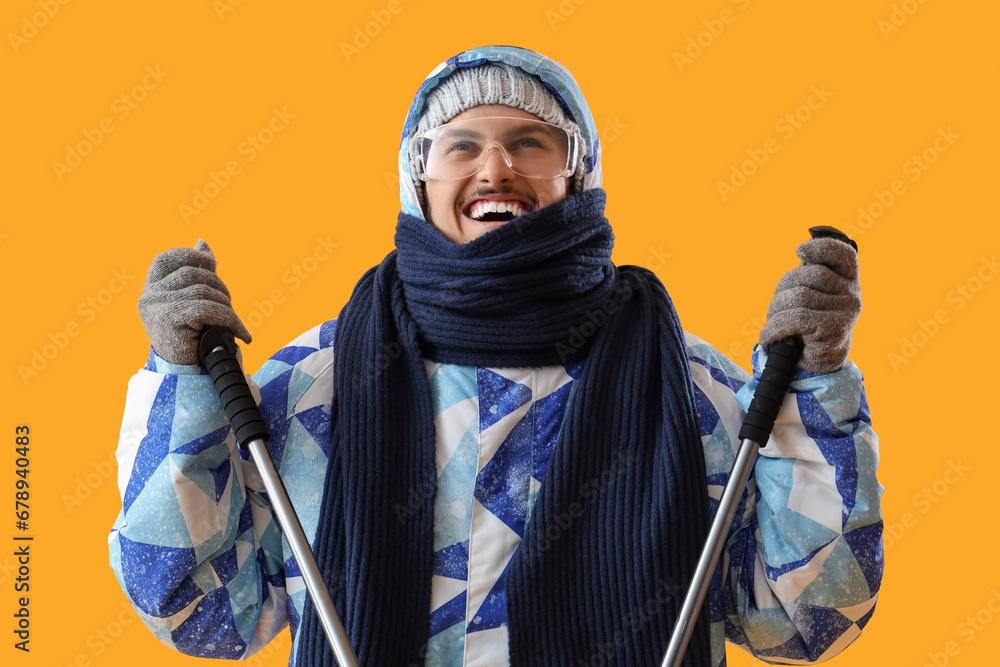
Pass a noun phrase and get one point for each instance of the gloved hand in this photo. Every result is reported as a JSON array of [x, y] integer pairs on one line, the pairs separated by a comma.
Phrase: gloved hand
[[819, 302], [182, 297]]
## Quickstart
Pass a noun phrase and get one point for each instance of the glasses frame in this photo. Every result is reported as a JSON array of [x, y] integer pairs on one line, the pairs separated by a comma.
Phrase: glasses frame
[[572, 153]]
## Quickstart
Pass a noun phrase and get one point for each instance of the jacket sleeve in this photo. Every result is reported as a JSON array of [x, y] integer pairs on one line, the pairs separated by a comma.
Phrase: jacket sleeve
[[196, 547], [803, 559]]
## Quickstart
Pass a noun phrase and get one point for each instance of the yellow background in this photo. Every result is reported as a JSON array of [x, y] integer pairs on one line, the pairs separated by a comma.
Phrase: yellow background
[[671, 132]]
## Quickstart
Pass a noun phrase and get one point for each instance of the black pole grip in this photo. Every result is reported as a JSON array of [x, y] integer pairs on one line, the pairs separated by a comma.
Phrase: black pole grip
[[217, 350], [782, 358], [774, 380]]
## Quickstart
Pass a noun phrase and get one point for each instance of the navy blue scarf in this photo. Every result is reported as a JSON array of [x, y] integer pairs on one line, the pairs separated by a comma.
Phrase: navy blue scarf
[[622, 513]]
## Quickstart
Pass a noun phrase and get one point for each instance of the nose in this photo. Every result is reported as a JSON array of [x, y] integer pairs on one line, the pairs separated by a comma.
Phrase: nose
[[495, 167]]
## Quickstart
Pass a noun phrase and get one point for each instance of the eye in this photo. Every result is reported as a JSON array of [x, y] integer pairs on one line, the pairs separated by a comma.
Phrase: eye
[[530, 142], [461, 149]]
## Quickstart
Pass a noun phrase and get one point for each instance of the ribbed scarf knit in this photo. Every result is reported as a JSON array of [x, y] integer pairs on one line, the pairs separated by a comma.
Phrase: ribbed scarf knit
[[622, 513]]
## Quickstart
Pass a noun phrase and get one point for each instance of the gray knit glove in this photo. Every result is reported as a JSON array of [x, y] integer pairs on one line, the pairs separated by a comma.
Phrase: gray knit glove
[[182, 297], [819, 302]]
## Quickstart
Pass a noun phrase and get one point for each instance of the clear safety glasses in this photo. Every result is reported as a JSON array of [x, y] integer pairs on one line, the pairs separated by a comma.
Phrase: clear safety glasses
[[530, 148]]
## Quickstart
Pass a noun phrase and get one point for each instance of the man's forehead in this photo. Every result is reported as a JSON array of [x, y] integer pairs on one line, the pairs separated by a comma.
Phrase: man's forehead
[[494, 110], [506, 127]]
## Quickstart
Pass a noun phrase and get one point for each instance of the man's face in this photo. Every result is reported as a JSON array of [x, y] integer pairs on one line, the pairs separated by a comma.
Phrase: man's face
[[450, 203]]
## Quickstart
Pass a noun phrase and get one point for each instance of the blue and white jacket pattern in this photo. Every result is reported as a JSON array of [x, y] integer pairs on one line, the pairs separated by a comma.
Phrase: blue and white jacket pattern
[[200, 555]]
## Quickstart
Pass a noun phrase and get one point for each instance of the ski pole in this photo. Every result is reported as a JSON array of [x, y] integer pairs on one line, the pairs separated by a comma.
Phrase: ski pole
[[782, 358], [218, 354]]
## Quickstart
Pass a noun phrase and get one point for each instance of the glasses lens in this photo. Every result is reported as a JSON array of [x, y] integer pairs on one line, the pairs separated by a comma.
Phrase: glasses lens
[[530, 148]]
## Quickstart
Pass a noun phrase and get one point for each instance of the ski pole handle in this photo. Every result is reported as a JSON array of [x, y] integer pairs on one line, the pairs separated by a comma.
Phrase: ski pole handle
[[217, 350], [782, 357]]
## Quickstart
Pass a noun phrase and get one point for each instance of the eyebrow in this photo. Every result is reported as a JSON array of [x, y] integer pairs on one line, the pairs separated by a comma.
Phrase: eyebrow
[[517, 130], [459, 133]]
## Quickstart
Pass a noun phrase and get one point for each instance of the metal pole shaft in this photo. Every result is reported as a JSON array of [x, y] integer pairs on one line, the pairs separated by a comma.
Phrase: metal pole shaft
[[292, 529], [745, 458], [217, 351], [757, 424]]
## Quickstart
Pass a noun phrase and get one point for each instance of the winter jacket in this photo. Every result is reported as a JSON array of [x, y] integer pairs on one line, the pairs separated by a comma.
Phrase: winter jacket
[[202, 559]]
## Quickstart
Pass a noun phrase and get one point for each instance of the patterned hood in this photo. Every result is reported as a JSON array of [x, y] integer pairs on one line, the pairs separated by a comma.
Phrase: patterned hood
[[555, 76]]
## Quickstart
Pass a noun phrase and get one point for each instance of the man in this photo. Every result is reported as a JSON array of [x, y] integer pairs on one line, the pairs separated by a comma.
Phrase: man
[[504, 450]]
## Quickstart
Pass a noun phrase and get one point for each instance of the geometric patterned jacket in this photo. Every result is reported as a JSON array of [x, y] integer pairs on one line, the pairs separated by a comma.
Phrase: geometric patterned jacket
[[201, 558]]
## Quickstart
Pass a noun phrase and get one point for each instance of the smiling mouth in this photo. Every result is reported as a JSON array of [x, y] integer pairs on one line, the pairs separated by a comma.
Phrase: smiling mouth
[[484, 210]]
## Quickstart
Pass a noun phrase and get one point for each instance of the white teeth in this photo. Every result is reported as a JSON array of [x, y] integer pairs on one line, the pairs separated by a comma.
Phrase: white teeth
[[484, 207]]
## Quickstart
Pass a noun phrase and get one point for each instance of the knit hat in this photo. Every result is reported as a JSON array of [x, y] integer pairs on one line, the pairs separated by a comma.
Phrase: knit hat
[[492, 83]]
